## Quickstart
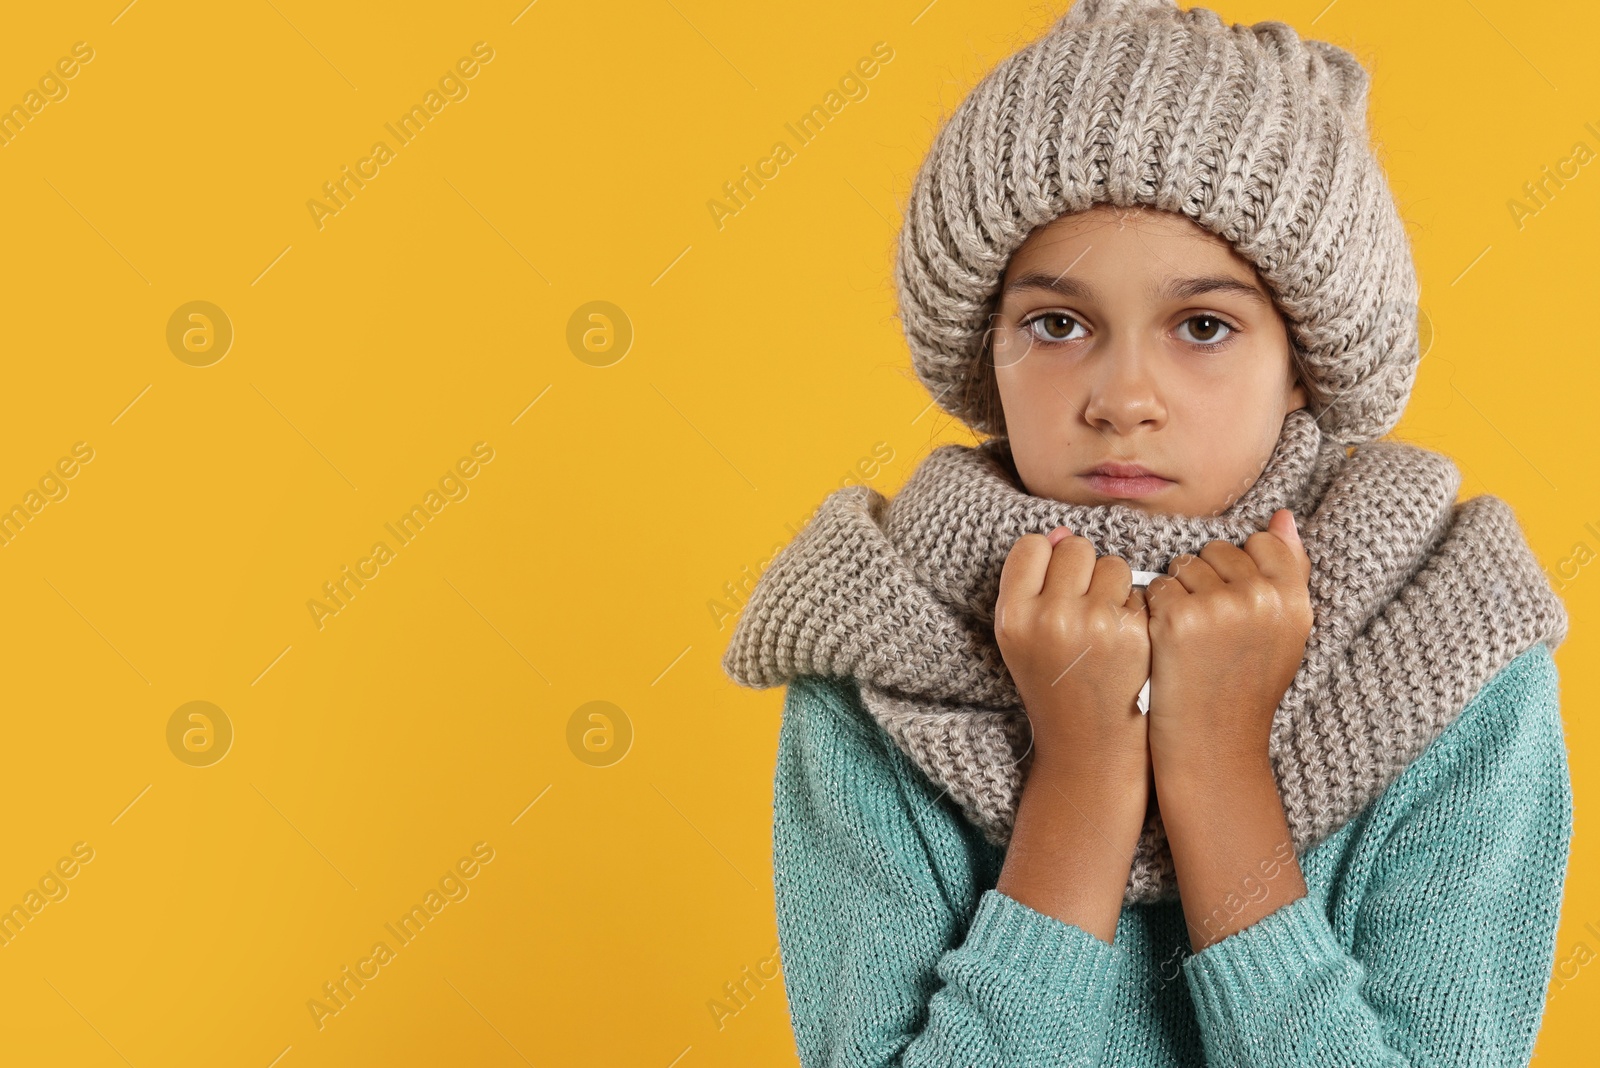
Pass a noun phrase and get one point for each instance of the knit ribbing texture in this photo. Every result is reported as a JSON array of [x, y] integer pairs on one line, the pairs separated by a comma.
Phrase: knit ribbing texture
[[1417, 600], [1256, 135], [1426, 935]]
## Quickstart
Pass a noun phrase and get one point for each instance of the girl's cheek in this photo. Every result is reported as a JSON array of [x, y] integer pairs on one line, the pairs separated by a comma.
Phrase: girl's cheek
[[1007, 348]]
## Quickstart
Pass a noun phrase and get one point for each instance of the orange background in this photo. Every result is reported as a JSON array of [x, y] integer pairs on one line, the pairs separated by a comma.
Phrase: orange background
[[755, 366]]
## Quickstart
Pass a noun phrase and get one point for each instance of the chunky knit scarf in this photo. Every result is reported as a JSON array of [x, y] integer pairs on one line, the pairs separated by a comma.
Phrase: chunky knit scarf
[[1418, 600]]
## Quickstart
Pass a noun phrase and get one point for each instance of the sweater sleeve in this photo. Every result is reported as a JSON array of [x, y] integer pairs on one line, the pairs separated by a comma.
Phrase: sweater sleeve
[[1459, 874], [892, 952]]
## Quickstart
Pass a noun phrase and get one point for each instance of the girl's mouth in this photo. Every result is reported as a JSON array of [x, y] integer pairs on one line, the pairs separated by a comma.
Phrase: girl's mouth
[[1125, 486], [1124, 480]]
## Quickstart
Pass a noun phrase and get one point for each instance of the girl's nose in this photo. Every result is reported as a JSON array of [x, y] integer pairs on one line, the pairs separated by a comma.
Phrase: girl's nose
[[1123, 391]]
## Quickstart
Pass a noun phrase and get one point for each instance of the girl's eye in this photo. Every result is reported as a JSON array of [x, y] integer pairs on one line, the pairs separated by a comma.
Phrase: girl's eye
[[1053, 326], [1208, 332]]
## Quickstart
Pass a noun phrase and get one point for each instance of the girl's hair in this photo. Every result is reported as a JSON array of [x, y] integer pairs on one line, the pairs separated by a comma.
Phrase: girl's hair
[[982, 390]]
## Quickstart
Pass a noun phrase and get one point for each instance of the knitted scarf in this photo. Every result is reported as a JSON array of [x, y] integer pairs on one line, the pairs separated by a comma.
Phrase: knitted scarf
[[1417, 599]]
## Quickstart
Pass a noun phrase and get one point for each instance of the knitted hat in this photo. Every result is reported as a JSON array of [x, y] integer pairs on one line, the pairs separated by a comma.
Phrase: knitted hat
[[1253, 133]]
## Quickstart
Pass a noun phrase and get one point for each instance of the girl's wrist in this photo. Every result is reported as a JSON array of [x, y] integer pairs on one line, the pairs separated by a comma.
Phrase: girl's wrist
[[1210, 771], [1077, 760], [1072, 846]]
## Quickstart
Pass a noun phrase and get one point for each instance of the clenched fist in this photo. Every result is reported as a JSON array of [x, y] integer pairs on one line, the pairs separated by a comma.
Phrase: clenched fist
[[1228, 629], [1074, 635]]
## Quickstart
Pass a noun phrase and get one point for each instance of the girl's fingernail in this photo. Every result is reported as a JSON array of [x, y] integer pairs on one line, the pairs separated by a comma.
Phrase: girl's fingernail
[[1294, 530]]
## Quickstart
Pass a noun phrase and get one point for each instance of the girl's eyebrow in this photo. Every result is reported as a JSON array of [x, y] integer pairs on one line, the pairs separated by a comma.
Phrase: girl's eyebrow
[[1176, 289], [1067, 287], [1186, 288]]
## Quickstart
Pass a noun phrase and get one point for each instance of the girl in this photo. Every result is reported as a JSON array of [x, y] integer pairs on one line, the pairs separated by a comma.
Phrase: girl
[[1303, 799]]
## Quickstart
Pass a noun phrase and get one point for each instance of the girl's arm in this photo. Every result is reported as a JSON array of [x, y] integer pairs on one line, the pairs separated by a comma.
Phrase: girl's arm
[[892, 952], [1442, 938], [1449, 906], [1072, 630], [1228, 633]]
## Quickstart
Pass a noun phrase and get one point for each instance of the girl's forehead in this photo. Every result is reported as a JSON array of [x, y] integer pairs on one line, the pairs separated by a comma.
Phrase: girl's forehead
[[1152, 244], [1169, 227]]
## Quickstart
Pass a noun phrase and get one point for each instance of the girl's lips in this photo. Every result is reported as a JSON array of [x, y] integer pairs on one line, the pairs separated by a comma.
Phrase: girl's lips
[[1113, 486]]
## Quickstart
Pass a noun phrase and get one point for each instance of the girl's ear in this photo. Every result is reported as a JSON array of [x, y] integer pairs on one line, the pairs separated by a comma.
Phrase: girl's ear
[[1297, 397]]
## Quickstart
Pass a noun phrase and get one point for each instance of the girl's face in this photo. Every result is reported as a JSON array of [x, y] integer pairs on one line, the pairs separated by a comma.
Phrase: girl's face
[[1135, 339]]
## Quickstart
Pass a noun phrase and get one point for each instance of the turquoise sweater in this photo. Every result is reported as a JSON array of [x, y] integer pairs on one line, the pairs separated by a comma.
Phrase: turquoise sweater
[[1427, 936]]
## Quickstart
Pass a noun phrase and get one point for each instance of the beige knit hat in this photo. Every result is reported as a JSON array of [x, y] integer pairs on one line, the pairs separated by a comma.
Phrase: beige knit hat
[[1255, 134]]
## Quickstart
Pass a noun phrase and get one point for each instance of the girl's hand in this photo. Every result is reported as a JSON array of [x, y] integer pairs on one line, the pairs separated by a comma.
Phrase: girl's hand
[[1073, 632], [1228, 630]]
